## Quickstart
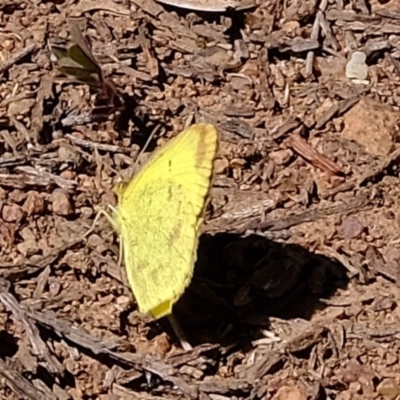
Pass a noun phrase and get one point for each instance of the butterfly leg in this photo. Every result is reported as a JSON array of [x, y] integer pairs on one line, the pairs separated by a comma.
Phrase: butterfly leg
[[96, 219], [121, 251], [179, 332]]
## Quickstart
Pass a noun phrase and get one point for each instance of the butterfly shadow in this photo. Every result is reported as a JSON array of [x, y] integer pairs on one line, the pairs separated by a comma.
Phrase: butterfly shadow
[[239, 283]]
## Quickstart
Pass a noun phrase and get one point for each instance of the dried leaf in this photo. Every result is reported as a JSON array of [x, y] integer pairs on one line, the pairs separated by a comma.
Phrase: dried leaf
[[78, 63]]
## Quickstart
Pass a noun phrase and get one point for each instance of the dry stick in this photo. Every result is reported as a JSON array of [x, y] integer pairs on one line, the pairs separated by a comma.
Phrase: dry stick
[[39, 348], [81, 338], [310, 55], [317, 159], [17, 98], [240, 224], [39, 175], [314, 35], [330, 40], [80, 119], [98, 146], [6, 162], [19, 385], [37, 115], [362, 201], [152, 62], [274, 224], [31, 47], [30, 177], [336, 110]]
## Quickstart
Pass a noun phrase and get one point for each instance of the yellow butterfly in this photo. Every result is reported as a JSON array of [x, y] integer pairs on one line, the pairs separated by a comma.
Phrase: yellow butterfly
[[159, 214]]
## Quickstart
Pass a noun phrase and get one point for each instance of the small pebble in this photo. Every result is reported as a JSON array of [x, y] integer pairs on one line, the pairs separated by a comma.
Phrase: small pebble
[[356, 68], [11, 213], [281, 157], [28, 247], [55, 288], [352, 227], [290, 393], [221, 165], [34, 204], [389, 388], [61, 203]]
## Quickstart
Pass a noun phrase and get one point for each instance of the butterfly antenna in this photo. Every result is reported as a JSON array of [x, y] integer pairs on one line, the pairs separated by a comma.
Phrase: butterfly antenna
[[146, 145]]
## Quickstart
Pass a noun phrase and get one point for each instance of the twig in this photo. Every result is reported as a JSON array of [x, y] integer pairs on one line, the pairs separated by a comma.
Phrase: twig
[[335, 110], [19, 385], [39, 348], [310, 55], [97, 346], [152, 62], [314, 35], [361, 202], [35, 177], [267, 96], [330, 40], [275, 223], [98, 146], [19, 55], [9, 141], [300, 146], [73, 119], [6, 162]]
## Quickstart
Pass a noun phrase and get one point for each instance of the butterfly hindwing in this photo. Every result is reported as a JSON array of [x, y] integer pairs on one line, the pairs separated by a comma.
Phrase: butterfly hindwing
[[159, 214]]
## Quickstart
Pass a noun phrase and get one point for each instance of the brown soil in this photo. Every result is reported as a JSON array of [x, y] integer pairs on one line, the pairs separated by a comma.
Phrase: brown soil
[[296, 291]]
